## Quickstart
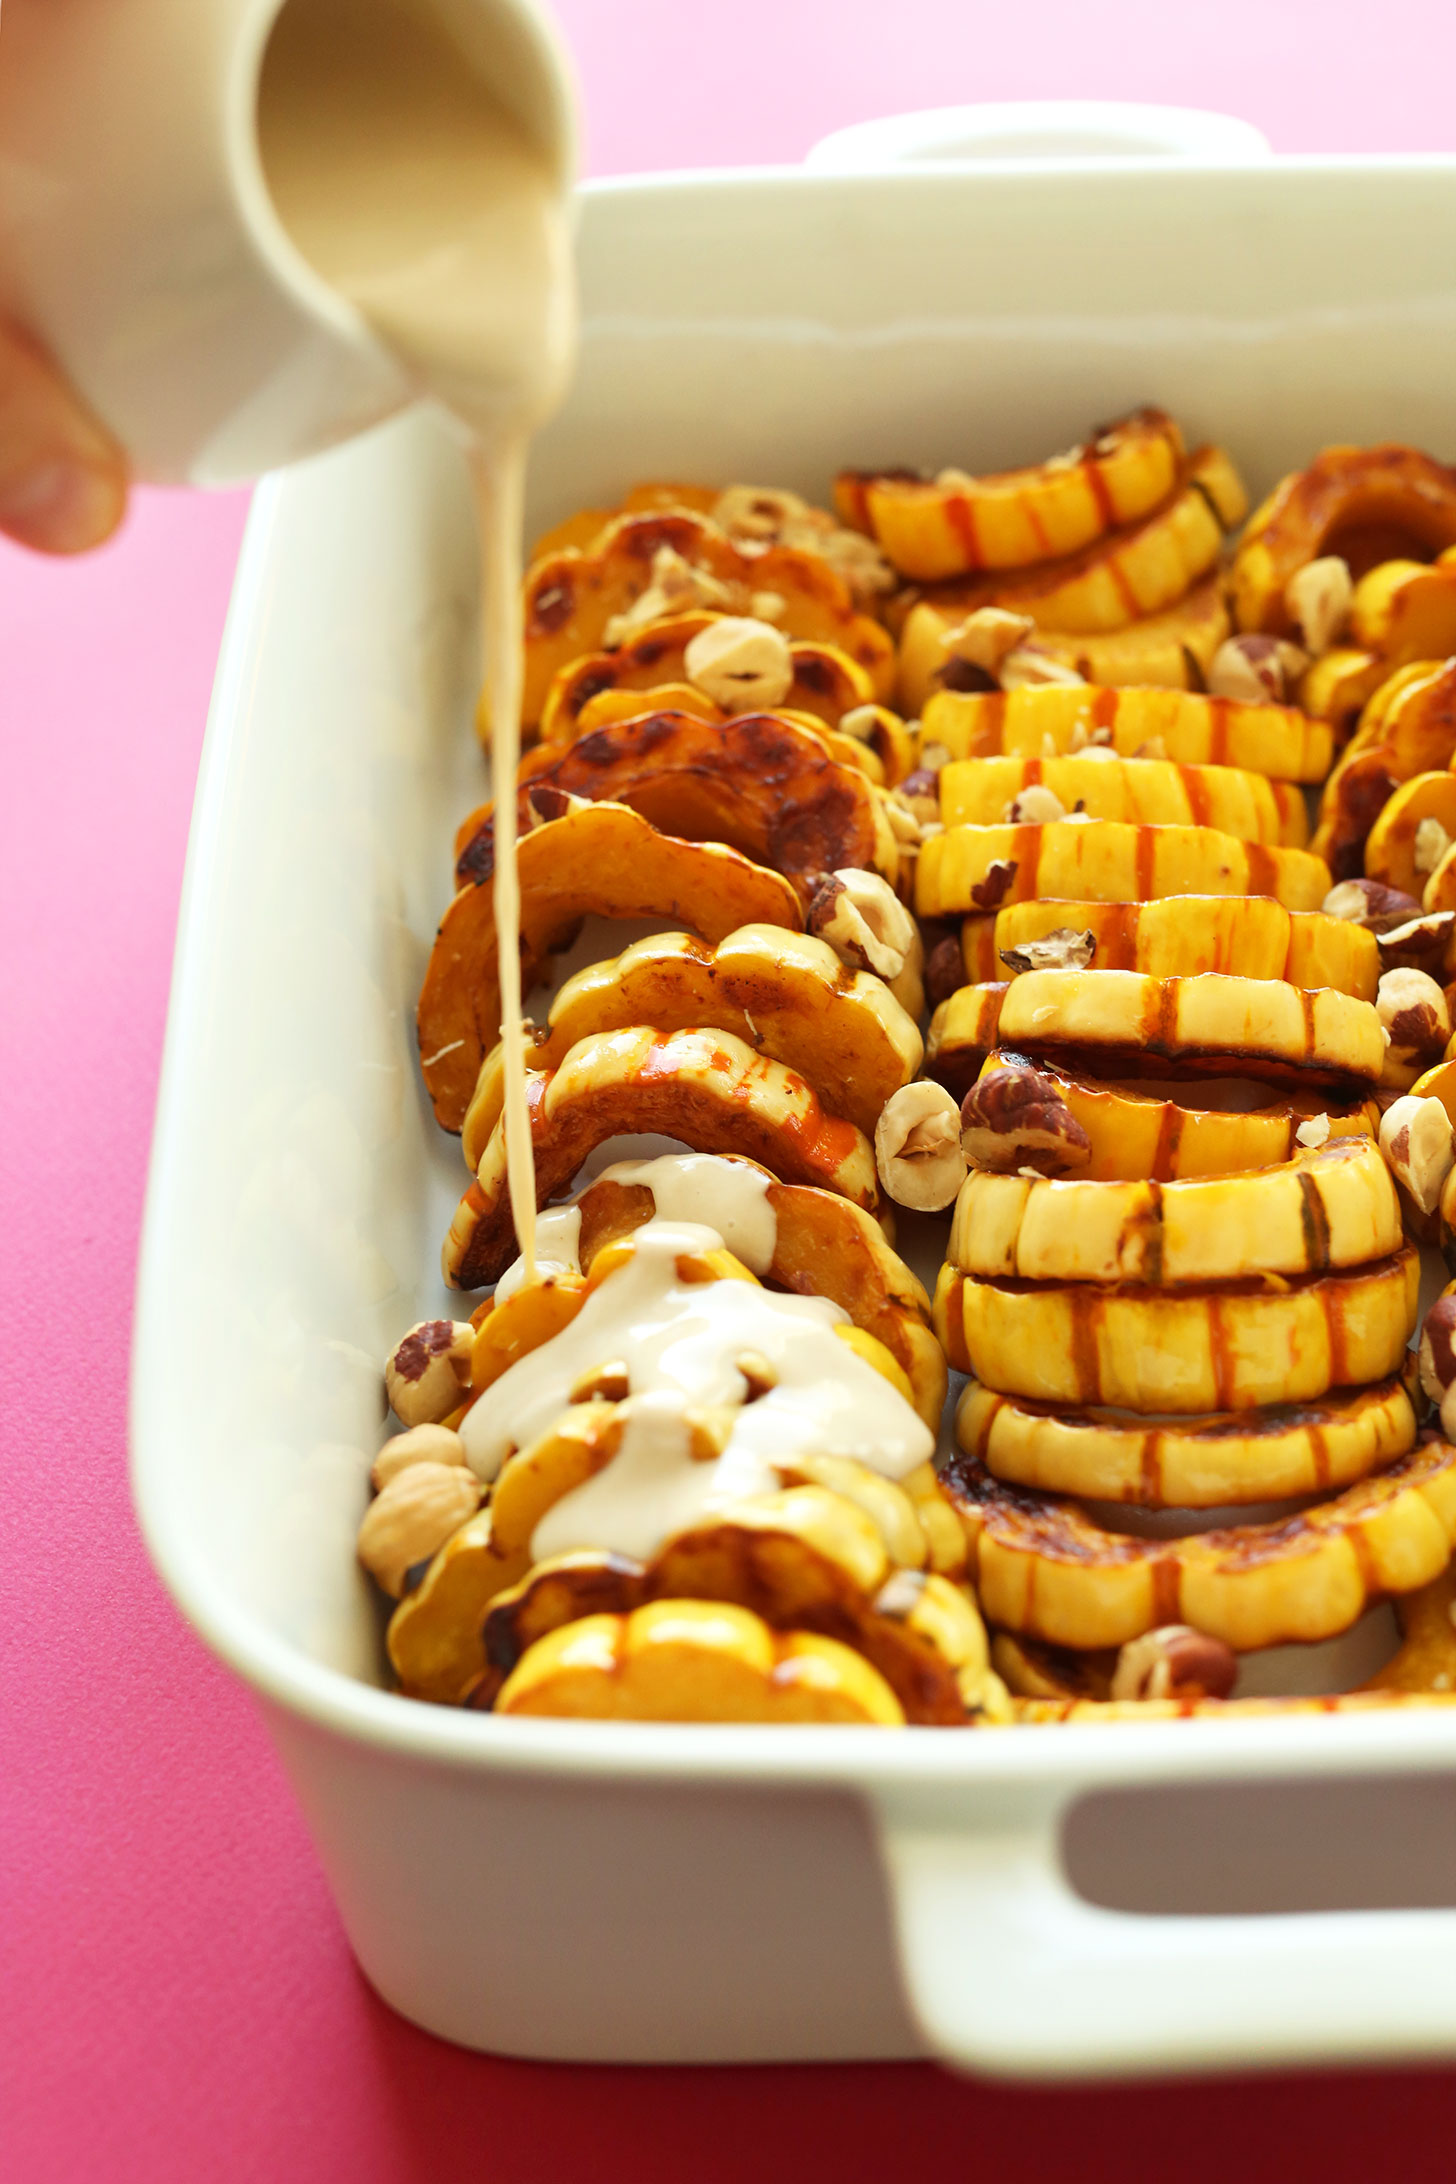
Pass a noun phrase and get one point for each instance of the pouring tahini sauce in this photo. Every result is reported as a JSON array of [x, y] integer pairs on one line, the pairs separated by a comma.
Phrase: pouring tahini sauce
[[412, 191]]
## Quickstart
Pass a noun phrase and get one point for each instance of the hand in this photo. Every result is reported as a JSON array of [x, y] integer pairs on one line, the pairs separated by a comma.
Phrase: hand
[[62, 477]]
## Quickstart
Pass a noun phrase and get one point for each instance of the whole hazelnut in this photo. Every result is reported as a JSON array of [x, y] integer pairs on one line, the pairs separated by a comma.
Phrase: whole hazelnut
[[410, 1520], [918, 1147], [920, 792], [1412, 1008], [1370, 902], [1175, 1662], [421, 1445], [1255, 670], [1317, 600], [429, 1371], [1420, 1147], [1438, 1360], [1015, 1119], [741, 664], [1420, 943], [864, 921]]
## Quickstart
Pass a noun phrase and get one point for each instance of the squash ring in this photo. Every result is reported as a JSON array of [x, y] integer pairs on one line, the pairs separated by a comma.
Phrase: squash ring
[[1226, 1347], [1136, 1134], [1194, 730], [1215, 1461], [1365, 504], [979, 868], [1139, 792], [1329, 1207], [1180, 936], [788, 995], [930, 529], [758, 783], [603, 861], [1042, 1566], [702, 1086]]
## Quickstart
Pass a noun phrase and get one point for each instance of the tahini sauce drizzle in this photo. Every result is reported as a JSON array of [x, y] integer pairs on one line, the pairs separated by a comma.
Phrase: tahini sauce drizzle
[[410, 189]]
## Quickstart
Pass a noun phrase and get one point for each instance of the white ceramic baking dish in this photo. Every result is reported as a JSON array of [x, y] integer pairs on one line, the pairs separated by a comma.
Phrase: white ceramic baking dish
[[1054, 1901]]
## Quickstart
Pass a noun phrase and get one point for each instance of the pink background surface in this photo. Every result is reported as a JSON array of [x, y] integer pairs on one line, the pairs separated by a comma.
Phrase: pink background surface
[[177, 2002]]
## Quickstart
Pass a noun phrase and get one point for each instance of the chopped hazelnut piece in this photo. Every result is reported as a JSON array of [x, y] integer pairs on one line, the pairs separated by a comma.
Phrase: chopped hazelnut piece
[[864, 921], [1418, 1142], [1175, 1662], [1015, 1121], [429, 1371], [1317, 598]]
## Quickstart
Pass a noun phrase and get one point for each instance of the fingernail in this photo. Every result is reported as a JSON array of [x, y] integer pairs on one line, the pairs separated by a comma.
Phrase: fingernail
[[61, 507]]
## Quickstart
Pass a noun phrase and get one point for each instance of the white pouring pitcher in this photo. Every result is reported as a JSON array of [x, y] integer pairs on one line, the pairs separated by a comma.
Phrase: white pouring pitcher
[[138, 240]]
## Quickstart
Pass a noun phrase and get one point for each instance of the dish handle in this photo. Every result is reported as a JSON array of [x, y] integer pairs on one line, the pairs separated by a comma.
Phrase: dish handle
[[1040, 129], [1008, 1972]]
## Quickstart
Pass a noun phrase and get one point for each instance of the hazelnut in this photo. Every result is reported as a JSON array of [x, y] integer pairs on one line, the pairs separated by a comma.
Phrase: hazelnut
[[991, 892], [411, 1519], [920, 792], [1412, 1008], [429, 1371], [984, 638], [860, 721], [945, 971], [1418, 943], [1015, 1120], [1438, 1360], [904, 824], [1029, 668], [864, 921], [1155, 747], [741, 664], [1065, 949], [1371, 903], [1175, 1662], [421, 1445], [673, 587], [1099, 744], [1431, 844], [611, 1383], [1317, 600], [933, 756], [1418, 1142], [767, 606], [918, 1146], [1313, 1132], [1036, 806], [1255, 670]]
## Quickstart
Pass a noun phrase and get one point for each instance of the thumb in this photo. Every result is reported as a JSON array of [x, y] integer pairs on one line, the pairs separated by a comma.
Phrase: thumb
[[62, 478]]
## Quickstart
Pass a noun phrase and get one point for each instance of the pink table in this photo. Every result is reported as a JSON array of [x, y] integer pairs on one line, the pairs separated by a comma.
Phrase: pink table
[[177, 2000]]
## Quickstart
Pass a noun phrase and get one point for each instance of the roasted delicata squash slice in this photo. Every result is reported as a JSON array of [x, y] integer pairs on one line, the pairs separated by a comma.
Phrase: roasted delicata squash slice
[[1227, 1347], [823, 1246], [1135, 1132], [955, 523], [584, 526], [980, 868], [601, 860], [643, 566], [1426, 1658], [1140, 792], [1365, 504], [1180, 725], [1045, 1567], [963, 1032], [705, 1087], [759, 783], [1413, 832], [1406, 610], [1408, 727], [803, 1559], [1207, 1025], [1331, 1206], [1180, 936], [692, 1660], [826, 682], [1173, 650], [1276, 1453], [788, 995], [1140, 570]]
